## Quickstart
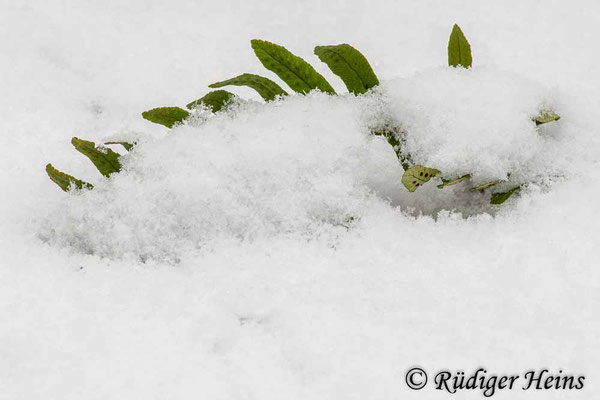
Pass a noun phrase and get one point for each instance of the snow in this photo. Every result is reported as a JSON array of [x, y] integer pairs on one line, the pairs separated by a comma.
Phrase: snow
[[272, 252], [475, 121], [290, 167]]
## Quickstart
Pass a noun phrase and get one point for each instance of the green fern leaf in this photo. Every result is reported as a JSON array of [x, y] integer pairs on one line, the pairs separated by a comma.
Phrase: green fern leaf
[[485, 186], [293, 70], [167, 116], [446, 182], [105, 160], [266, 88], [499, 198], [459, 49], [350, 65], [215, 100], [65, 181], [416, 176], [546, 116]]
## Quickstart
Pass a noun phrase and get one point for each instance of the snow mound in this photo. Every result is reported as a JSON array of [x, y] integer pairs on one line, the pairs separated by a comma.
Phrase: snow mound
[[307, 166], [288, 167], [476, 121]]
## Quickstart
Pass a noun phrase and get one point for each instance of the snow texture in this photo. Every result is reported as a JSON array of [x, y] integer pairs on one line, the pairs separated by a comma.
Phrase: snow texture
[[476, 121], [291, 167], [271, 251]]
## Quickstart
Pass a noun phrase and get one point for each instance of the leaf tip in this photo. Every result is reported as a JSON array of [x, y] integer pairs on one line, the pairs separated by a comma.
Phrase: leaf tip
[[257, 42], [459, 49]]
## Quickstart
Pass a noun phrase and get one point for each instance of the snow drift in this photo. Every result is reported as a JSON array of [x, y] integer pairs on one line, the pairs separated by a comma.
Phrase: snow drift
[[309, 166]]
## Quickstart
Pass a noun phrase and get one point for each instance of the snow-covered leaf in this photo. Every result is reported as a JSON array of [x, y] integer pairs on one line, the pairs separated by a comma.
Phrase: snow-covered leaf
[[484, 186], [546, 116], [501, 197], [105, 160], [390, 133], [215, 100], [65, 181], [448, 182], [128, 146]]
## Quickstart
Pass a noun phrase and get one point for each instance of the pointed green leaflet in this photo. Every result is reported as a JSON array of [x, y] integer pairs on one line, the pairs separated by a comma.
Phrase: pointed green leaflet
[[65, 181], [459, 49], [485, 186], [390, 133], [499, 198], [350, 65], [447, 182], [266, 88], [105, 160], [416, 176], [293, 70], [167, 116], [215, 100]]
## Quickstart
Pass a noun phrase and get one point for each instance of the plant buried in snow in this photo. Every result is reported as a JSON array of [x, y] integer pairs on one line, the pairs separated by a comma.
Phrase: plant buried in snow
[[344, 61]]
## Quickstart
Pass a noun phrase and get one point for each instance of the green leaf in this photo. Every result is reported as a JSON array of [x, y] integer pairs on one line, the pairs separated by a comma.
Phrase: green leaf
[[128, 146], [350, 65], [485, 186], [266, 88], [105, 160], [214, 100], [416, 176], [499, 198], [446, 182], [65, 181], [293, 70], [459, 49], [167, 116], [546, 116]]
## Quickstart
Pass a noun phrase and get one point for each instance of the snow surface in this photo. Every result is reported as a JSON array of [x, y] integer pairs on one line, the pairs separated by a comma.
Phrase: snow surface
[[272, 252], [476, 121]]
